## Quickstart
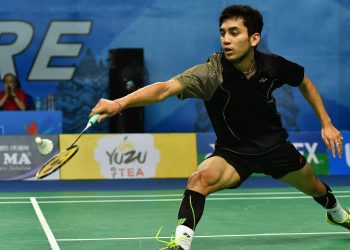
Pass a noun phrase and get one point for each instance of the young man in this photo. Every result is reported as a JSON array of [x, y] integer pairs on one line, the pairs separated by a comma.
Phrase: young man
[[236, 86]]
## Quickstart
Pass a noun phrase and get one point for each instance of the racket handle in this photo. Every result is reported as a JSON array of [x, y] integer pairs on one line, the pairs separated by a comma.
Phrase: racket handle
[[93, 119]]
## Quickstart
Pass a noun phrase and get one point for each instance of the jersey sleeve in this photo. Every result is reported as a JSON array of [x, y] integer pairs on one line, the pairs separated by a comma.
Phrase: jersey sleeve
[[202, 80], [289, 72]]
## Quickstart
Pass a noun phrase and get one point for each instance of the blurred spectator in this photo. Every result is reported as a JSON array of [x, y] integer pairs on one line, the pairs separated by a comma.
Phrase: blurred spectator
[[12, 97]]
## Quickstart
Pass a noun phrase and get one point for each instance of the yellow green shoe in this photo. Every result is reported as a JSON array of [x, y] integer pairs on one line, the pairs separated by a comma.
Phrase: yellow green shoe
[[345, 223], [171, 245]]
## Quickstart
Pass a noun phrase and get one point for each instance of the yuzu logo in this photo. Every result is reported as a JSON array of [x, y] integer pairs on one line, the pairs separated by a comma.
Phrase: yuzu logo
[[127, 156]]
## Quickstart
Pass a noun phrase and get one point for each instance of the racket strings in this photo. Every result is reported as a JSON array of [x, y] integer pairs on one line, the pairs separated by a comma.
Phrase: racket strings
[[57, 162]]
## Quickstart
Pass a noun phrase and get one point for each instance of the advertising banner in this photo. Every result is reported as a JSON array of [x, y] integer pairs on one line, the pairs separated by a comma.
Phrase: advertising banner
[[123, 156], [205, 145], [311, 145], [341, 166], [20, 158]]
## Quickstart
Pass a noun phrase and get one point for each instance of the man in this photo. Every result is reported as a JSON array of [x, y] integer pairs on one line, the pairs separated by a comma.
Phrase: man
[[236, 86]]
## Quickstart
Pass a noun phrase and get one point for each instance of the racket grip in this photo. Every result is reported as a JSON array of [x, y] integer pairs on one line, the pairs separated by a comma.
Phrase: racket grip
[[93, 119]]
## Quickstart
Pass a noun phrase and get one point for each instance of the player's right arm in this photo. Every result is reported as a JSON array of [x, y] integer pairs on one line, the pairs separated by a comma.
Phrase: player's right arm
[[155, 92]]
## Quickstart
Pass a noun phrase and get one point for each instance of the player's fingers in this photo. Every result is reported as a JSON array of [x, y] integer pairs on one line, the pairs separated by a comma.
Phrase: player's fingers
[[339, 149], [102, 117], [339, 145], [333, 150], [97, 108], [325, 140]]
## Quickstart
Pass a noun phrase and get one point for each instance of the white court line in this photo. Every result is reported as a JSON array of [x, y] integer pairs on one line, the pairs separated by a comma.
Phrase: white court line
[[45, 226], [169, 200], [157, 195], [213, 236]]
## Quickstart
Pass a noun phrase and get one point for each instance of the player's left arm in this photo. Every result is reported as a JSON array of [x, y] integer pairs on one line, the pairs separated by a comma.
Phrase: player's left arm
[[330, 135]]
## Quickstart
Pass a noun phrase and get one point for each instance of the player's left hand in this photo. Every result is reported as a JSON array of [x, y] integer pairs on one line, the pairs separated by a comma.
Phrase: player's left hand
[[333, 139]]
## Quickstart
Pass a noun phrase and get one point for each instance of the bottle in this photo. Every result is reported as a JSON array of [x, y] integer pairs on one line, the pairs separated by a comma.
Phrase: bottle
[[52, 102], [48, 102], [37, 103]]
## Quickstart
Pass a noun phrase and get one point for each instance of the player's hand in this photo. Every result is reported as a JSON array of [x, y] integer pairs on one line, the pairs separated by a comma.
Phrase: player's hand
[[106, 108], [333, 139]]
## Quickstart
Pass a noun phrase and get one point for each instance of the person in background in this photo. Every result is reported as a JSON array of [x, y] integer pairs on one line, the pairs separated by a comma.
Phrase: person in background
[[12, 97]]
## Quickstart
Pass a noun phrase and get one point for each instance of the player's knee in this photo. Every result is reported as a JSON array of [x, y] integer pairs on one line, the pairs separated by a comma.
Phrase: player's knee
[[203, 180]]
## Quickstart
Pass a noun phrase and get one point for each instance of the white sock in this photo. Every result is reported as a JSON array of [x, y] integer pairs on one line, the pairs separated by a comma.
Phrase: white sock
[[184, 236], [338, 213]]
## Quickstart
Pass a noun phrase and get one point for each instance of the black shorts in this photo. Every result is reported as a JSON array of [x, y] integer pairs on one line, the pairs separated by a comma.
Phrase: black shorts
[[276, 163]]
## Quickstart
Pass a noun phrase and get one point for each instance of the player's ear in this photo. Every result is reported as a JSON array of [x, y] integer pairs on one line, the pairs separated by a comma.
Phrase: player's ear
[[254, 39]]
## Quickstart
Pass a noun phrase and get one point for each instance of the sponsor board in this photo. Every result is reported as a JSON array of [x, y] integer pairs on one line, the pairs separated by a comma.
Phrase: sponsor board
[[311, 145], [20, 158], [341, 166], [205, 145], [127, 156], [124, 156]]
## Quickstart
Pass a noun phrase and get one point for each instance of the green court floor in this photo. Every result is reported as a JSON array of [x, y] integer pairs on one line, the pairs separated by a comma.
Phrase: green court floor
[[262, 219]]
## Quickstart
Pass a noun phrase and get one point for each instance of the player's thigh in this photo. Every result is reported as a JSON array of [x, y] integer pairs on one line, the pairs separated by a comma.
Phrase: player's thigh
[[213, 174], [305, 180]]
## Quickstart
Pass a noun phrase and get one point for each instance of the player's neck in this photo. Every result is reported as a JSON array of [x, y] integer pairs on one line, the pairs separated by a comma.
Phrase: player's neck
[[247, 65]]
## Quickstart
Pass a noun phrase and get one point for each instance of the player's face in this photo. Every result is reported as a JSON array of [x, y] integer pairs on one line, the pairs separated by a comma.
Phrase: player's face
[[235, 41]]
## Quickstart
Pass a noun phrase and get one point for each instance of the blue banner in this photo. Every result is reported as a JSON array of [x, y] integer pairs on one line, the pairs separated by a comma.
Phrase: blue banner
[[341, 166], [62, 50], [30, 122]]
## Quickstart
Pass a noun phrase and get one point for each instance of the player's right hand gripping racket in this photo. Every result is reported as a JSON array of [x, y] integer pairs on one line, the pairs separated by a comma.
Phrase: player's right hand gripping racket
[[57, 161]]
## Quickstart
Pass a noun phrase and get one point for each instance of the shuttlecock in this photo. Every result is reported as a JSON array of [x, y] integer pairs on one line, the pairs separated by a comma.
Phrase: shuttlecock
[[45, 146]]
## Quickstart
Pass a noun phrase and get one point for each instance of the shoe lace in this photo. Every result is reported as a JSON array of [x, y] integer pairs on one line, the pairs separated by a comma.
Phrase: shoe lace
[[347, 219], [171, 243]]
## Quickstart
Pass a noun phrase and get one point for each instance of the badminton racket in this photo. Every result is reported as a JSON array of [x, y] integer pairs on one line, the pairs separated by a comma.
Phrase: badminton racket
[[58, 161]]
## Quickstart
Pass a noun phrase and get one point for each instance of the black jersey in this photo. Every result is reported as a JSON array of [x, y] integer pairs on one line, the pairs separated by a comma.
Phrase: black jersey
[[242, 111]]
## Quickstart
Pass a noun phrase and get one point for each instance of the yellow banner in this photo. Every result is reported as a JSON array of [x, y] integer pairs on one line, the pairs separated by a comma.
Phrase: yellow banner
[[123, 156]]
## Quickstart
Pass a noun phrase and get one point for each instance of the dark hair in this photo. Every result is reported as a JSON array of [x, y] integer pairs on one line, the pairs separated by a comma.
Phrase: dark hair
[[14, 77], [252, 18]]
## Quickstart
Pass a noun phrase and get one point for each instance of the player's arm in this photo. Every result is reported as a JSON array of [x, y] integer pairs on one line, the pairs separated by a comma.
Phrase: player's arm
[[330, 135], [155, 92]]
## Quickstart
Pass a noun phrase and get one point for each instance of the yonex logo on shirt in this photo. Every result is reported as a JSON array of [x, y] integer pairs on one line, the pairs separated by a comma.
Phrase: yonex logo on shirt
[[262, 80]]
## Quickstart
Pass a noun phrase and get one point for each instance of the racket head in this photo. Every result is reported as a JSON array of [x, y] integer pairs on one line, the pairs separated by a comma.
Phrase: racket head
[[56, 162]]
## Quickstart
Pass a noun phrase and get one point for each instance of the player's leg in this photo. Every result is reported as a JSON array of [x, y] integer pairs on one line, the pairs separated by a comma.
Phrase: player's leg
[[213, 174], [305, 180]]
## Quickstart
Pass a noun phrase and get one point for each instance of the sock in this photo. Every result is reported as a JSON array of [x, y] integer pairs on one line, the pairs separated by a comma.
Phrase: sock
[[191, 209], [184, 236], [329, 202], [190, 212], [338, 213]]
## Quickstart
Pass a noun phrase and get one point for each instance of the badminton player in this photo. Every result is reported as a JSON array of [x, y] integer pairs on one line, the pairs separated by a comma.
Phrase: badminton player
[[236, 85]]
